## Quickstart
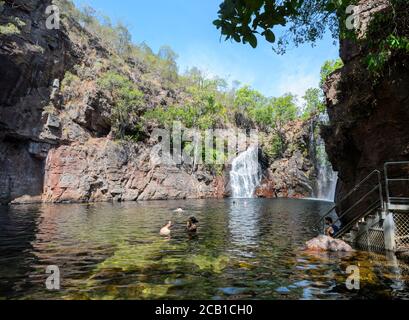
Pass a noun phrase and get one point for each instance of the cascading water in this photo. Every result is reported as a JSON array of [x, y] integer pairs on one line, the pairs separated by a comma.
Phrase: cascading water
[[326, 177], [245, 175]]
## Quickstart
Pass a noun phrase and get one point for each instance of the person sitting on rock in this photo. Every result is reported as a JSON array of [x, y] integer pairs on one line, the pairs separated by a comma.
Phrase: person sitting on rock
[[331, 230], [191, 225]]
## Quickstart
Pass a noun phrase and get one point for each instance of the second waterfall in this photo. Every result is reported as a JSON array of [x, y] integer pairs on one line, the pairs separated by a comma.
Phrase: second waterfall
[[245, 175]]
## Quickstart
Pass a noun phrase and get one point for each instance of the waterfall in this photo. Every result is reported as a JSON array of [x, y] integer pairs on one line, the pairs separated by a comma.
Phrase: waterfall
[[326, 177], [326, 183], [245, 175]]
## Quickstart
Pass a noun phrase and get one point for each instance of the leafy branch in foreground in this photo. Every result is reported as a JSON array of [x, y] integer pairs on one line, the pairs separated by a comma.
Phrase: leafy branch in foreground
[[300, 20]]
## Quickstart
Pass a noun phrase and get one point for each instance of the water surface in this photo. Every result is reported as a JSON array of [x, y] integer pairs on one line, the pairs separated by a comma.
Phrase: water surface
[[247, 249]]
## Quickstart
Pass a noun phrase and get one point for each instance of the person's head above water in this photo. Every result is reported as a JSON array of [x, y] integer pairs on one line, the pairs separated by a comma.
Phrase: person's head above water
[[168, 225], [193, 220], [191, 224]]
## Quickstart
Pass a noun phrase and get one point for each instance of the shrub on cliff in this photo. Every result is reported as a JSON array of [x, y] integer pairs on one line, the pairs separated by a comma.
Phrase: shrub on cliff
[[203, 107], [314, 103], [127, 103]]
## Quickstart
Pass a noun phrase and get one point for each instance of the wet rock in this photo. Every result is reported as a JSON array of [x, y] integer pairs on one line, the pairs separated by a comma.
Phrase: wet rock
[[325, 243]]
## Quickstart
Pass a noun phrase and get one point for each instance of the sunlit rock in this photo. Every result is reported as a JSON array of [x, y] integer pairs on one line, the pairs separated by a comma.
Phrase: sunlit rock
[[325, 243]]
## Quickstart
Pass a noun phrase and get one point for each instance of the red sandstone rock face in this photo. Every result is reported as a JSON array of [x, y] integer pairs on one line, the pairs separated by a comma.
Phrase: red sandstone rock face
[[103, 170], [49, 146], [294, 175], [325, 243], [55, 144]]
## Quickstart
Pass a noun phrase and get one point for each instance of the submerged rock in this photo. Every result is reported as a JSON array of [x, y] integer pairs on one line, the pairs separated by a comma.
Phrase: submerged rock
[[325, 243]]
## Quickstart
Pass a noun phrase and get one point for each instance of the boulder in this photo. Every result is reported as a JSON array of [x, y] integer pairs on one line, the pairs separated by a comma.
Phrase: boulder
[[325, 243]]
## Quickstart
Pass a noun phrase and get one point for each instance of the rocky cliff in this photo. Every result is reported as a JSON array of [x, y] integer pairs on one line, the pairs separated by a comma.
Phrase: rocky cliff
[[368, 111], [57, 141], [55, 145], [294, 174], [31, 57]]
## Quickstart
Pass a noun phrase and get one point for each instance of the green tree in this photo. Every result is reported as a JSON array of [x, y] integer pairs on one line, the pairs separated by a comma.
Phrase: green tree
[[303, 20], [249, 100], [167, 63], [123, 40], [329, 67], [314, 103]]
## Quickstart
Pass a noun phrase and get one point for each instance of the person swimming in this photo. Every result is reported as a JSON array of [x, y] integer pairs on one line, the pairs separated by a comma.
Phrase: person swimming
[[166, 229], [191, 224]]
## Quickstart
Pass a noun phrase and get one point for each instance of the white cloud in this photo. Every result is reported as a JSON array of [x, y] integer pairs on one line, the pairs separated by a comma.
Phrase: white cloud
[[296, 83], [231, 69], [296, 76]]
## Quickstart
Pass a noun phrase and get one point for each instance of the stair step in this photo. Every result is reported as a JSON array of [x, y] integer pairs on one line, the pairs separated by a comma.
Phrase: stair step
[[398, 207]]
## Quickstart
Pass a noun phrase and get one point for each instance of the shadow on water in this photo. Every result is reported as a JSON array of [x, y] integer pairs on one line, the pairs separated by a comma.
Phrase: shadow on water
[[245, 249]]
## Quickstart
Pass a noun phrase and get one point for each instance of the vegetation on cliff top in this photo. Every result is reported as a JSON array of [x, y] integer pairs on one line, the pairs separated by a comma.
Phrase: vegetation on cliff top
[[199, 101], [388, 37]]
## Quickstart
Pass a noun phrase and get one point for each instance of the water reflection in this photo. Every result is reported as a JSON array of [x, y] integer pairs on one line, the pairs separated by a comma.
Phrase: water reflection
[[250, 249], [244, 225]]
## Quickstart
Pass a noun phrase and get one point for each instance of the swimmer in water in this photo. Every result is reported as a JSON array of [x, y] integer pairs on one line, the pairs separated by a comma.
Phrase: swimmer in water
[[191, 225]]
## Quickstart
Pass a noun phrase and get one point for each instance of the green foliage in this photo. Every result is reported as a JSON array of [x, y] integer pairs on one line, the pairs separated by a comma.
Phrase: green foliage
[[69, 80], [248, 100], [127, 101], [329, 67], [377, 60], [314, 103], [387, 37], [303, 21], [204, 113], [9, 29], [269, 114], [117, 38], [167, 63], [205, 107], [276, 112], [272, 145]]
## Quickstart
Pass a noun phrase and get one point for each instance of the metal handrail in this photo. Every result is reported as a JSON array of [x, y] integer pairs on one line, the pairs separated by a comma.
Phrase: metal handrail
[[356, 188], [375, 206], [387, 180], [371, 226]]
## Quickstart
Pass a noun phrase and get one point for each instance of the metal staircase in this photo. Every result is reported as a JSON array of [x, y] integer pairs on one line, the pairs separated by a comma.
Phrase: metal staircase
[[397, 201], [373, 223]]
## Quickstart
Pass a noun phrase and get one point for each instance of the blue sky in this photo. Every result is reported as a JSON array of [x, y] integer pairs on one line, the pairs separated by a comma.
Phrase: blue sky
[[186, 26]]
